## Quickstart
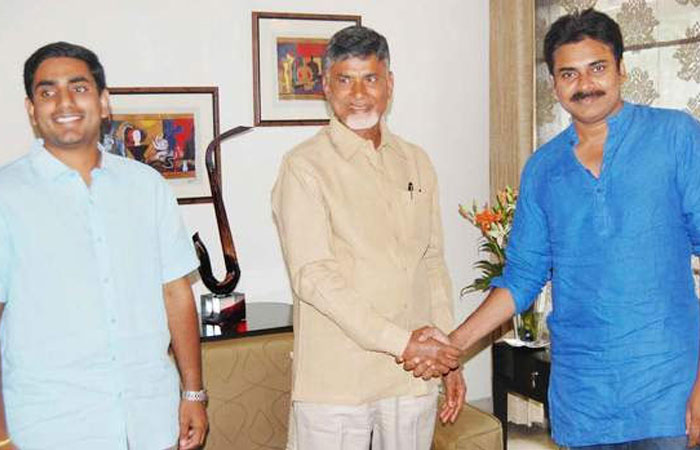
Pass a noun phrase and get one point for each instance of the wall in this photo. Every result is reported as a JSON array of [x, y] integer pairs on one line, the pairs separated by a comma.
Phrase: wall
[[440, 62]]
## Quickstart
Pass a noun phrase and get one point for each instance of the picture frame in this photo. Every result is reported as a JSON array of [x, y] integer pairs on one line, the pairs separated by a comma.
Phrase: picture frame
[[287, 66], [169, 129]]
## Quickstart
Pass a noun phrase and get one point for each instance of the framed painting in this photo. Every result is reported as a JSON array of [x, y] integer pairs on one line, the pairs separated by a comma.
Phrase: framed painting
[[169, 129], [288, 64]]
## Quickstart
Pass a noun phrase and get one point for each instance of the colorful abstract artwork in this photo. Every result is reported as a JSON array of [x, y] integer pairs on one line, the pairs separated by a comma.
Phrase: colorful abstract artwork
[[165, 142], [299, 68]]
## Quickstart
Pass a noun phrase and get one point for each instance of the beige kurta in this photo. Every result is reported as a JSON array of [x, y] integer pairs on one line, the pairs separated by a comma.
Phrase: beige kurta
[[365, 260]]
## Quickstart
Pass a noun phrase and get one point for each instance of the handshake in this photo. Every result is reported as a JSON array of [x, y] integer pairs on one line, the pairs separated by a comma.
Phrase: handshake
[[429, 353]]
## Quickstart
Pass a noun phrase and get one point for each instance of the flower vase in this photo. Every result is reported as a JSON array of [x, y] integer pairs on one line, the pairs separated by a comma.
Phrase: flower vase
[[530, 327]]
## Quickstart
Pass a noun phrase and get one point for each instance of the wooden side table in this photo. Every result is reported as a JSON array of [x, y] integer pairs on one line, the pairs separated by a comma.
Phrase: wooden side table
[[521, 370]]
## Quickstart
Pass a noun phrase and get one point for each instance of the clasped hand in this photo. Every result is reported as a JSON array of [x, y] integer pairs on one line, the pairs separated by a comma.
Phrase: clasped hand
[[429, 354]]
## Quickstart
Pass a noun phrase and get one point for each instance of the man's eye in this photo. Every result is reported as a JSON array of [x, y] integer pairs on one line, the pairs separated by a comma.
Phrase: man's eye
[[567, 75], [599, 68], [46, 93], [80, 88], [372, 78], [343, 80]]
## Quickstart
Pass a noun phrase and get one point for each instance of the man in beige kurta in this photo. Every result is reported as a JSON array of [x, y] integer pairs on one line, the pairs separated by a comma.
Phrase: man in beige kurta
[[359, 222]]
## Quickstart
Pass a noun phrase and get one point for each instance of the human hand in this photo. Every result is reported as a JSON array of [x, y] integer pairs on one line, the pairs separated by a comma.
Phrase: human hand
[[426, 333], [193, 424], [428, 357], [455, 390], [424, 368], [692, 417], [434, 333]]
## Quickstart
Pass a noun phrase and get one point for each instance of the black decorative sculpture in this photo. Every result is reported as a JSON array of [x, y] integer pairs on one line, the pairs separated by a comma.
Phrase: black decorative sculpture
[[233, 270]]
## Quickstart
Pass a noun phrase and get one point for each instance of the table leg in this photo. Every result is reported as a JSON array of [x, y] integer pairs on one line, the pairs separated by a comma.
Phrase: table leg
[[500, 406]]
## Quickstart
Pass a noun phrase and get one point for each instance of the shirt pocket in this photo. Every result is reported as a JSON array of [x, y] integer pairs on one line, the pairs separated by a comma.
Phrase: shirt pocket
[[416, 214]]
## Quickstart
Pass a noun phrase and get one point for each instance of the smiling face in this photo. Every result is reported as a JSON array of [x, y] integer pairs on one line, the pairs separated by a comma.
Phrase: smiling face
[[67, 109], [358, 90], [587, 80]]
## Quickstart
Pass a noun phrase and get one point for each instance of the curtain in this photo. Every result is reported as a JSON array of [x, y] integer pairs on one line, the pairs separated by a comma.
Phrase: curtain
[[512, 92], [662, 55]]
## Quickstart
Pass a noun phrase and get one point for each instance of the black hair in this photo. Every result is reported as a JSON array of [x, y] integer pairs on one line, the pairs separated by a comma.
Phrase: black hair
[[63, 50], [578, 26], [355, 41]]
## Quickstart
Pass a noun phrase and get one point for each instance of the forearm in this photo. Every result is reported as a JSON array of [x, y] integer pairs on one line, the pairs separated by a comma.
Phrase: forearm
[[322, 286], [441, 301], [495, 309], [184, 332]]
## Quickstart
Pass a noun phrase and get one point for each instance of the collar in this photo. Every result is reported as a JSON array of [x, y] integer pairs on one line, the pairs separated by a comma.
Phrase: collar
[[51, 168], [617, 123], [348, 143]]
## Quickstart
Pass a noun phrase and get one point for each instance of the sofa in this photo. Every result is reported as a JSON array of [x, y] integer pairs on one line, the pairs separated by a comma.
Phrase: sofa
[[249, 381]]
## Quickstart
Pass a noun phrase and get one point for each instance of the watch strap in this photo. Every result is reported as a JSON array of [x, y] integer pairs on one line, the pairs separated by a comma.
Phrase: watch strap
[[195, 396]]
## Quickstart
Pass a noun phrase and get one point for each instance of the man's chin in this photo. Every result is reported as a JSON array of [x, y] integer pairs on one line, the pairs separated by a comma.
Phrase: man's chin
[[359, 122]]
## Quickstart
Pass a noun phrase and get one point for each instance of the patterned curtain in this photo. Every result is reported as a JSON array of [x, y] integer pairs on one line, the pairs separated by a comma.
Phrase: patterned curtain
[[662, 56]]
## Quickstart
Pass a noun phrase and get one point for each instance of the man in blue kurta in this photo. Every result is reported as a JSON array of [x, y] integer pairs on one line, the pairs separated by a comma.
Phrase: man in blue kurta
[[610, 211], [93, 287]]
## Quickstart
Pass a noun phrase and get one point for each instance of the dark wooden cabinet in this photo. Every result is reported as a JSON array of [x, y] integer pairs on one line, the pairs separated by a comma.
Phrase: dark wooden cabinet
[[522, 370]]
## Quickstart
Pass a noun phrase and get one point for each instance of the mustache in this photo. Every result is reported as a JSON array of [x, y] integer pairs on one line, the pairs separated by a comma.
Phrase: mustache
[[577, 97]]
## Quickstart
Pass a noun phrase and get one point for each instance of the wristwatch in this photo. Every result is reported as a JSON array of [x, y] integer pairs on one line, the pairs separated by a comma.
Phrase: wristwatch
[[195, 396]]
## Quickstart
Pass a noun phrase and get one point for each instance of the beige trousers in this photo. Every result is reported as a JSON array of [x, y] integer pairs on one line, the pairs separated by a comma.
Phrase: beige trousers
[[396, 423]]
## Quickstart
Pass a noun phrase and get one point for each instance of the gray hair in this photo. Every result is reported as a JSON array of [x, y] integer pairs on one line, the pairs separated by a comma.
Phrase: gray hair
[[355, 42]]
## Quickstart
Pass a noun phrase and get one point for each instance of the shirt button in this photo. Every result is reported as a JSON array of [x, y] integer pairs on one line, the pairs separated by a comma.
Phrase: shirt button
[[105, 280], [112, 320]]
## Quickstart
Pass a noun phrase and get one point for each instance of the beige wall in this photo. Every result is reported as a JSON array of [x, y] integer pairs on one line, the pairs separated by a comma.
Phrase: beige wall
[[439, 57]]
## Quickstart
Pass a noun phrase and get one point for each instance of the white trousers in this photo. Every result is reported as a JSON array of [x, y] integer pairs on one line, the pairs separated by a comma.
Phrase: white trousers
[[396, 423]]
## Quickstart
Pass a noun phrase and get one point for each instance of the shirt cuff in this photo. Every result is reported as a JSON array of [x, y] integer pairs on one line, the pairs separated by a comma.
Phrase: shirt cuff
[[185, 267], [520, 304], [394, 340]]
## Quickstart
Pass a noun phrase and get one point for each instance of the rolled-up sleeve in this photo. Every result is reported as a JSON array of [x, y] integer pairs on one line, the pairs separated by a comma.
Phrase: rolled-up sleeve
[[303, 224], [528, 254], [688, 175]]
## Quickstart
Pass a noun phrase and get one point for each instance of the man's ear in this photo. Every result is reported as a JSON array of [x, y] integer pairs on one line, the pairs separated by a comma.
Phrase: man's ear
[[29, 105], [623, 70], [390, 84], [104, 104], [325, 83], [553, 86]]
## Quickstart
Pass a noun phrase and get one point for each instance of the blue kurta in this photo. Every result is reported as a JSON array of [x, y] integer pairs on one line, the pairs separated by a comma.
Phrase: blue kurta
[[624, 325], [84, 332]]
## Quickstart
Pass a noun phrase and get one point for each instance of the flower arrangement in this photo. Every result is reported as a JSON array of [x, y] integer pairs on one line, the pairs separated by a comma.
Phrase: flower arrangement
[[495, 223]]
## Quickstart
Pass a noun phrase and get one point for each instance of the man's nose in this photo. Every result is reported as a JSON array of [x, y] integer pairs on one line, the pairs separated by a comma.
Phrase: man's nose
[[65, 98], [586, 81], [358, 88]]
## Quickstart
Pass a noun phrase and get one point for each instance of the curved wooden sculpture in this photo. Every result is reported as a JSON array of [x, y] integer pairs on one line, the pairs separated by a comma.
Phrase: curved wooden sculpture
[[233, 271]]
